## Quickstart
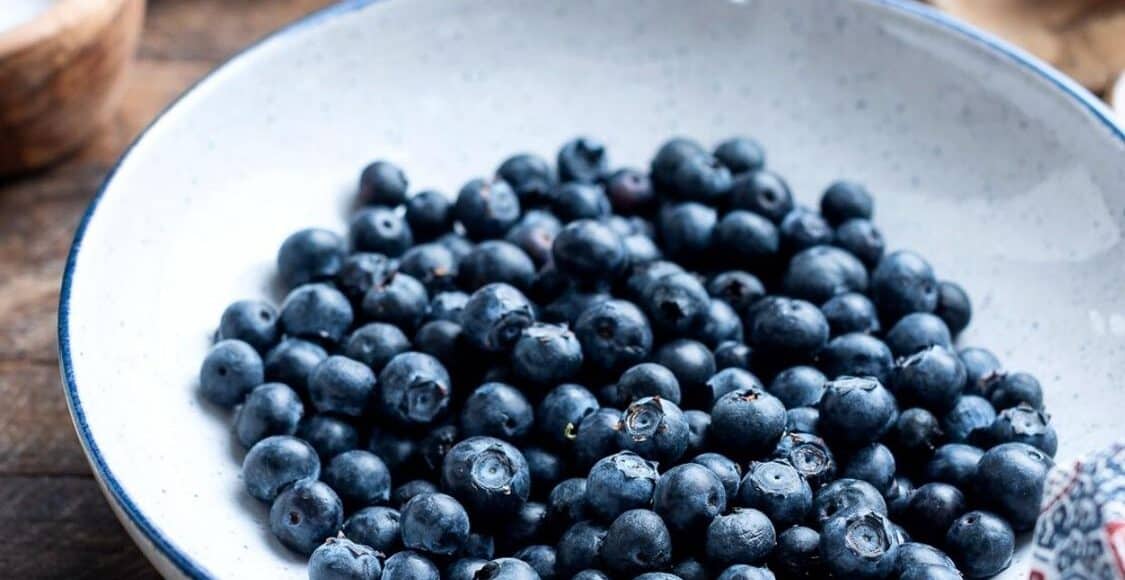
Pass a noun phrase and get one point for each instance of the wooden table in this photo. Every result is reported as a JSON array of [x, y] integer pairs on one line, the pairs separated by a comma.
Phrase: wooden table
[[54, 522]]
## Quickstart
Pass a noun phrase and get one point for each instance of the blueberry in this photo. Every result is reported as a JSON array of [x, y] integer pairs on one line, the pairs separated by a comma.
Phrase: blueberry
[[292, 361], [1022, 424], [802, 420], [380, 230], [1015, 389], [916, 433], [746, 572], [788, 328], [382, 183], [654, 429], [903, 283], [699, 429], [341, 385], [579, 547], [561, 411], [721, 383], [720, 324], [915, 554], [932, 509], [618, 483], [231, 370], [495, 316], [687, 230], [529, 176], [747, 240], [305, 514], [955, 464], [541, 558], [251, 321], [809, 455], [596, 437], [690, 569], [668, 159], [464, 569], [856, 354], [738, 288], [311, 255], [429, 214], [497, 410], [741, 155], [702, 178], [917, 331], [342, 559], [459, 244], [444, 341], [874, 464], [862, 239], [898, 497], [375, 344], [727, 471], [433, 265], [478, 546], [747, 423], [447, 306], [845, 200], [399, 451], [733, 355], [434, 523], [856, 411], [590, 575], [648, 380], [269, 409], [799, 386], [405, 492], [587, 251], [819, 273], [568, 307], [414, 389], [435, 445], [777, 490], [802, 228], [614, 335], [402, 301], [1010, 478], [576, 201], [931, 572], [982, 543], [638, 541], [276, 462], [496, 261], [630, 191], [489, 476], [850, 312], [486, 208], [378, 527], [692, 364], [526, 526], [860, 545], [359, 477], [982, 370], [969, 414], [545, 467], [846, 497], [953, 307], [547, 354], [932, 378], [328, 435], [362, 271], [744, 536], [640, 249], [798, 553], [409, 565], [566, 504], [657, 576], [762, 192], [316, 312], [583, 159], [642, 275]]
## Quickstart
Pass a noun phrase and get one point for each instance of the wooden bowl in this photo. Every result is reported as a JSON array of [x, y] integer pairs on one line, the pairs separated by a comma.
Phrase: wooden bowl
[[60, 76]]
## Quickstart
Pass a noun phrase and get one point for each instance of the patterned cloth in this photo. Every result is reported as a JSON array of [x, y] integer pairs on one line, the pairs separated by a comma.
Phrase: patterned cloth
[[1081, 531]]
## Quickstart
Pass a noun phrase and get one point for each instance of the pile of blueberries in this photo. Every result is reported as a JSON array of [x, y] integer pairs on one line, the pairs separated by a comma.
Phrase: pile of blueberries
[[579, 373]]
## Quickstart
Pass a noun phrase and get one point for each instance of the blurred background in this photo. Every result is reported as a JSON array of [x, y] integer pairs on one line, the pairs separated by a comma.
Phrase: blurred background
[[79, 79]]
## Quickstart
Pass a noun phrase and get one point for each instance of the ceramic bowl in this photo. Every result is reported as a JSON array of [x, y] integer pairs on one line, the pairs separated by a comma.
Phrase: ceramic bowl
[[1005, 174]]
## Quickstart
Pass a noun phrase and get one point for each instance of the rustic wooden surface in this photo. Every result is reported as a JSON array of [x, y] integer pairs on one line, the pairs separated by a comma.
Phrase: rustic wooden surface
[[54, 520]]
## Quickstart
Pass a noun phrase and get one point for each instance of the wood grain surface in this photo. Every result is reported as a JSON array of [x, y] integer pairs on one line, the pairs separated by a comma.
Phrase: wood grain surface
[[54, 521]]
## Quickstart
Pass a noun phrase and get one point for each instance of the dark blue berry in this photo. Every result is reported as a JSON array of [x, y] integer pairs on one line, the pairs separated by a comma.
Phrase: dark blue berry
[[576, 201], [642, 275], [917, 331], [799, 386], [495, 316], [269, 409], [541, 558], [342, 559], [762, 192], [982, 370], [747, 423], [687, 230], [874, 464], [640, 249], [692, 364], [546, 468], [409, 565], [702, 178], [566, 504], [341, 385], [733, 355], [561, 411], [620, 482], [568, 307], [862, 239], [802, 228], [728, 472], [898, 498], [432, 264], [969, 414], [497, 410], [861, 545], [1016, 389], [486, 208], [380, 230], [850, 312], [744, 536], [316, 312], [305, 514], [844, 498], [955, 464], [596, 437], [931, 572], [489, 476], [456, 243], [414, 389], [529, 176], [359, 477], [292, 361], [931, 510], [630, 191], [579, 548], [741, 155], [638, 541], [231, 369], [535, 234], [777, 490], [434, 523], [720, 324], [798, 553], [496, 261], [953, 307], [1022, 424], [903, 283], [464, 569], [788, 328], [435, 445], [587, 251], [916, 433], [1010, 479], [547, 354], [932, 378], [583, 159], [856, 354], [402, 300], [405, 492], [614, 335], [721, 383], [447, 306], [277, 462], [668, 159], [251, 321], [382, 183], [329, 435], [378, 527], [809, 455], [429, 215], [747, 240], [311, 255], [982, 543], [654, 429], [821, 272], [738, 288], [443, 340], [845, 200], [915, 554], [362, 271], [375, 344], [526, 526], [856, 411], [746, 572], [802, 420], [699, 428]]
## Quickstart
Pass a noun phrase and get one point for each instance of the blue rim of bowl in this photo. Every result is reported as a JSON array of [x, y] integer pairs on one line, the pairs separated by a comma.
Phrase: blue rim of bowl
[[185, 563]]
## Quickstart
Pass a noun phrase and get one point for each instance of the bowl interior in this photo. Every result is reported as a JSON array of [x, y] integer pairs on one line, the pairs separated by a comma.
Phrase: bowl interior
[[1006, 183]]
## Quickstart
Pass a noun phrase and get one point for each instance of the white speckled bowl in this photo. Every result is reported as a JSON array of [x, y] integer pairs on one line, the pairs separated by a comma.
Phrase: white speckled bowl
[[1008, 176]]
